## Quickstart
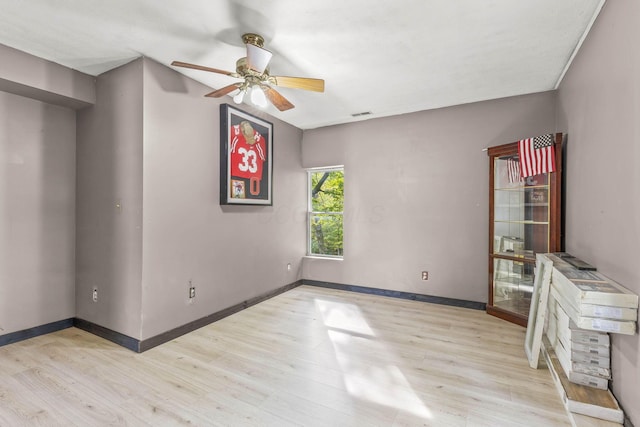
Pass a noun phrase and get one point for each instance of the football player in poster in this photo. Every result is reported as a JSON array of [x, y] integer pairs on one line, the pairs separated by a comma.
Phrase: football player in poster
[[248, 151]]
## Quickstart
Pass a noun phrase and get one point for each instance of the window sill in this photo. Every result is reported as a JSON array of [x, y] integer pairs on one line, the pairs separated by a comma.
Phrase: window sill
[[328, 258]]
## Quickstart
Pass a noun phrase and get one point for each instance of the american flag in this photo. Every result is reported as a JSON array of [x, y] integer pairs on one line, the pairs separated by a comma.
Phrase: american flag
[[537, 155], [513, 169]]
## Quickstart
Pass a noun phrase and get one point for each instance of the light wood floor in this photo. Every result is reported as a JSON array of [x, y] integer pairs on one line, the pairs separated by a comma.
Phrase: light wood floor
[[311, 356]]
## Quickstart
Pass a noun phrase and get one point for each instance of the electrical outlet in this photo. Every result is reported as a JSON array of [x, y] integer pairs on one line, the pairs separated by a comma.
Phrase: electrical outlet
[[425, 275], [94, 296], [289, 267], [192, 292]]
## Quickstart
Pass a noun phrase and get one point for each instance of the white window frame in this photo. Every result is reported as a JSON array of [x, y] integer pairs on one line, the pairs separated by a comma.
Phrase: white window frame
[[310, 212]]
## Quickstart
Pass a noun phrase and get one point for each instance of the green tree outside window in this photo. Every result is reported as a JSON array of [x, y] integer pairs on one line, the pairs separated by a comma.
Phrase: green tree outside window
[[326, 212]]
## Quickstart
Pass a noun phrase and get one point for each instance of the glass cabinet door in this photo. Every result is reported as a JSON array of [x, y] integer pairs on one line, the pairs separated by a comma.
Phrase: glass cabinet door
[[512, 285], [522, 223], [520, 211]]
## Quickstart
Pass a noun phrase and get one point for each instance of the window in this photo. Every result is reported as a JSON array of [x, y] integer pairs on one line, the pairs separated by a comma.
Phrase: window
[[325, 211]]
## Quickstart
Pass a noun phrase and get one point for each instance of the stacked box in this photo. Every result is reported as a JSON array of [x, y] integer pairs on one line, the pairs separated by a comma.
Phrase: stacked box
[[583, 354], [584, 307], [593, 301], [578, 399]]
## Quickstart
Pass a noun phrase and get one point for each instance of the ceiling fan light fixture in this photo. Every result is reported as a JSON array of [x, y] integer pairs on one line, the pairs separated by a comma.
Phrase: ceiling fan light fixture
[[239, 97], [258, 98]]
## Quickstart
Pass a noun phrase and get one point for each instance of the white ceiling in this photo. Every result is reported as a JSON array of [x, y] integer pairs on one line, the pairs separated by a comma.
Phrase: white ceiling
[[386, 57]]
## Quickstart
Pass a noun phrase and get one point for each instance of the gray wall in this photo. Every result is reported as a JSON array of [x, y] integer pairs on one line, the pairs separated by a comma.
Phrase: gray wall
[[149, 219], [599, 108], [109, 203], [229, 254], [416, 193], [37, 220], [32, 77]]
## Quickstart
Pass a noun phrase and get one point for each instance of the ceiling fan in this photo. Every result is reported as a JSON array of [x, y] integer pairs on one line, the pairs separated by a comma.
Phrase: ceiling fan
[[254, 71]]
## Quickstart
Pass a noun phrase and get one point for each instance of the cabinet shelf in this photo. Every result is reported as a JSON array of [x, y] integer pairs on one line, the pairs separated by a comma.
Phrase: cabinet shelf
[[536, 204], [522, 187], [513, 283], [524, 219], [515, 256], [523, 222], [507, 205]]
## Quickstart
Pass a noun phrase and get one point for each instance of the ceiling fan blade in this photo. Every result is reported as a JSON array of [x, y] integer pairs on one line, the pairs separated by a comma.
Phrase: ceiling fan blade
[[203, 68], [316, 85], [258, 58], [224, 91], [279, 101]]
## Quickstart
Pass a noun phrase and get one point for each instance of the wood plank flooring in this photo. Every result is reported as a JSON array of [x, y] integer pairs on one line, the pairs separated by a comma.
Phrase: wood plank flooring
[[310, 357]]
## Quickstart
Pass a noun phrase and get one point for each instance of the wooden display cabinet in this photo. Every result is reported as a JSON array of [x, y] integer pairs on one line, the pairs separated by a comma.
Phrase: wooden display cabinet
[[524, 219]]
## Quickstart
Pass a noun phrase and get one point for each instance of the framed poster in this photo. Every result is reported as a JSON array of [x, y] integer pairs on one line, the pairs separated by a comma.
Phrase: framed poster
[[246, 158]]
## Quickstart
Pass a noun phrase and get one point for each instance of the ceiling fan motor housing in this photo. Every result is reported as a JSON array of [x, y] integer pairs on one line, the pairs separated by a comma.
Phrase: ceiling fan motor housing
[[254, 39], [253, 68], [242, 68]]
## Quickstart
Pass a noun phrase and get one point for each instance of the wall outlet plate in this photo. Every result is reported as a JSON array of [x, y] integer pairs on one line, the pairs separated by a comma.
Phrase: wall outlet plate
[[425, 275], [94, 295]]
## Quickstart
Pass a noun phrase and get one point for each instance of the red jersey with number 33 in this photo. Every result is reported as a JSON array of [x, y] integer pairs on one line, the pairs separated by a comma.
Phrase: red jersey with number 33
[[247, 159]]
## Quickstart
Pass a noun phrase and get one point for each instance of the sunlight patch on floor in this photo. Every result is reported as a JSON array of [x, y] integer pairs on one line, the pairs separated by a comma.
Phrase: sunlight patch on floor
[[364, 360], [344, 317]]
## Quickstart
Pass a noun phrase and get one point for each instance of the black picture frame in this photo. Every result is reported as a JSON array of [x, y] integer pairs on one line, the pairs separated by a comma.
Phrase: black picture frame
[[246, 158]]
